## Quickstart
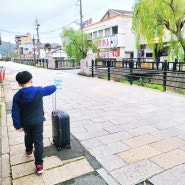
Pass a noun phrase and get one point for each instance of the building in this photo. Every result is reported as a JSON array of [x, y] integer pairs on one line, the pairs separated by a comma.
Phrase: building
[[23, 39], [113, 35], [55, 50], [24, 44]]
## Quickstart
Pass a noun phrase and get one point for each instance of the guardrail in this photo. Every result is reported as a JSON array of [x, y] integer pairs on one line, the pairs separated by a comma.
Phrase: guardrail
[[166, 74]]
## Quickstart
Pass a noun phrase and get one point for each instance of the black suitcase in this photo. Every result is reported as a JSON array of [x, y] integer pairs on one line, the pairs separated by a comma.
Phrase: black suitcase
[[61, 129]]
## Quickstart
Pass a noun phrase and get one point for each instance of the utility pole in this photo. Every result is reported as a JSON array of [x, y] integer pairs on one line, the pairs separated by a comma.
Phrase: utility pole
[[34, 51], [38, 41], [81, 13]]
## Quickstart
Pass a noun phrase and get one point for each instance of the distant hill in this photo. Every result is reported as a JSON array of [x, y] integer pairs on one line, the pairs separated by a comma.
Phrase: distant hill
[[6, 46]]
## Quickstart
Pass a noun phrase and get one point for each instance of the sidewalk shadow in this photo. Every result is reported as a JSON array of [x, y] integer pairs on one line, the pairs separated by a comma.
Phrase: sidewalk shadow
[[76, 150]]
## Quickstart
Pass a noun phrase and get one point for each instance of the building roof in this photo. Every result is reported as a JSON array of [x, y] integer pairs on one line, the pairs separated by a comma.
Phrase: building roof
[[113, 12], [53, 45]]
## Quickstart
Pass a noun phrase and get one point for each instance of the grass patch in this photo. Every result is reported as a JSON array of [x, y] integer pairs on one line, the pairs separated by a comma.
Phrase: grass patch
[[140, 83]]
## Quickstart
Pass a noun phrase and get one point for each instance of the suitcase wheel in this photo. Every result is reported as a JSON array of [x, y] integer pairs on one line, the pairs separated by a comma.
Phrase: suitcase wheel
[[59, 148], [68, 146]]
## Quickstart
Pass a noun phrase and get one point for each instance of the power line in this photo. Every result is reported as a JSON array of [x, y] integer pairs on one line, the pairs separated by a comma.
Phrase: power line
[[57, 12]]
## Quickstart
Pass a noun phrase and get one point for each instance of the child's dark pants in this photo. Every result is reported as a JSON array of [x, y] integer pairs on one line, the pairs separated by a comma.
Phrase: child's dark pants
[[34, 136]]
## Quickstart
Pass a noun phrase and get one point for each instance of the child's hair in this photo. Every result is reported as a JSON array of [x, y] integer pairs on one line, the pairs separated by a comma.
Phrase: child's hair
[[23, 77]]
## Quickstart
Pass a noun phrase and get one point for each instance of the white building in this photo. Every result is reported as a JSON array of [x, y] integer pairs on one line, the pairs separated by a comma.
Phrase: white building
[[113, 35]]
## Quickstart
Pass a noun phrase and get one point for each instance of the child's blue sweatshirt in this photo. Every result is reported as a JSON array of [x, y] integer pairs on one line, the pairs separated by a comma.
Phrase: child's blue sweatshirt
[[27, 107]]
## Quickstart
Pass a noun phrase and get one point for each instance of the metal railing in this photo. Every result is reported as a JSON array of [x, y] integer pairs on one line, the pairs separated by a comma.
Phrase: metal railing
[[27, 61], [59, 63], [166, 74]]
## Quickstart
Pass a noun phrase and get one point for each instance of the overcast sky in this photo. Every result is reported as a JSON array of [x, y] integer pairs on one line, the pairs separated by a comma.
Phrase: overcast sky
[[19, 16]]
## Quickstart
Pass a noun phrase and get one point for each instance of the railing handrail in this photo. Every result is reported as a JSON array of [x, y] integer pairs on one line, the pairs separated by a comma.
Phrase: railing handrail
[[162, 69]]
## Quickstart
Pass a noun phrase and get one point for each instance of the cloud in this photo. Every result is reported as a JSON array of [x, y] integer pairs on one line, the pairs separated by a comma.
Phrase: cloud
[[19, 16]]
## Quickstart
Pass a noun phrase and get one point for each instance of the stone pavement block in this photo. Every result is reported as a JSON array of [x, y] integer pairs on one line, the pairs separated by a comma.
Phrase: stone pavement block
[[51, 162], [5, 166], [77, 130], [90, 134], [47, 133], [91, 143], [16, 149], [110, 149], [98, 126], [169, 159], [92, 178], [47, 141], [16, 140], [119, 128], [138, 154], [170, 132], [168, 144], [15, 133], [23, 169], [20, 158], [6, 181], [164, 125], [114, 137], [32, 179], [107, 177], [66, 172], [4, 131], [142, 130], [27, 168], [81, 123], [174, 176], [11, 128], [111, 162], [135, 173], [123, 120], [140, 140], [5, 145]]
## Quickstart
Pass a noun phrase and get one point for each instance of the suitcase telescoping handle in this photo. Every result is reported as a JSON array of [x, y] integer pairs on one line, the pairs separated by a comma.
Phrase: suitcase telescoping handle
[[54, 101], [58, 83]]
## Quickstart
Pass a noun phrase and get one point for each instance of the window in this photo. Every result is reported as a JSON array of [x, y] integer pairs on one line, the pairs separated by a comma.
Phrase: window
[[90, 35], [100, 33], [107, 32], [95, 34], [115, 30]]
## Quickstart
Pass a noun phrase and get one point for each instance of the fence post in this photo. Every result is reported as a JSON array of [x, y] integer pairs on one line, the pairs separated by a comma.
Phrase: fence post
[[47, 63], [92, 63], [165, 66], [108, 65], [131, 65], [73, 62], [175, 65]]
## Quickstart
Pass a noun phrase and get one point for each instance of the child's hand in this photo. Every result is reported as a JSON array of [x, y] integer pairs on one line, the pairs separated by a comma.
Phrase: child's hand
[[20, 130]]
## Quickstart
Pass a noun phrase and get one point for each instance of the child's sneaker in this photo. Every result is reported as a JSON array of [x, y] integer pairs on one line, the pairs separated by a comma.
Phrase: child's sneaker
[[29, 154], [39, 169]]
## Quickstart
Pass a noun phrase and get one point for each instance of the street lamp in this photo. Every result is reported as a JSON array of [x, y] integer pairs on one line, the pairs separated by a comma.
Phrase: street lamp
[[89, 42]]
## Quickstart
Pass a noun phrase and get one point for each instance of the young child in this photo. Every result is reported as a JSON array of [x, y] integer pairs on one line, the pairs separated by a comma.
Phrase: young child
[[28, 115]]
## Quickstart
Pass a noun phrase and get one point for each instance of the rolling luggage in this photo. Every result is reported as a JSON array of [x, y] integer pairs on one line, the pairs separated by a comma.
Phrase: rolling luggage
[[61, 129]]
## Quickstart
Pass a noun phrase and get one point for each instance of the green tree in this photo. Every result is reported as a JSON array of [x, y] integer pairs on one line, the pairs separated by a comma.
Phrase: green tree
[[75, 43], [152, 19]]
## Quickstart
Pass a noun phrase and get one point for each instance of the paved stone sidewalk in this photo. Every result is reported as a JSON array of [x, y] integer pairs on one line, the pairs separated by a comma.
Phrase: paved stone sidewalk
[[133, 135], [59, 167]]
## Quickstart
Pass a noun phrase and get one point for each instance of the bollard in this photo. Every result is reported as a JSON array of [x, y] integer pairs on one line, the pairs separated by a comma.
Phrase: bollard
[[108, 65], [131, 65], [92, 63], [165, 67]]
